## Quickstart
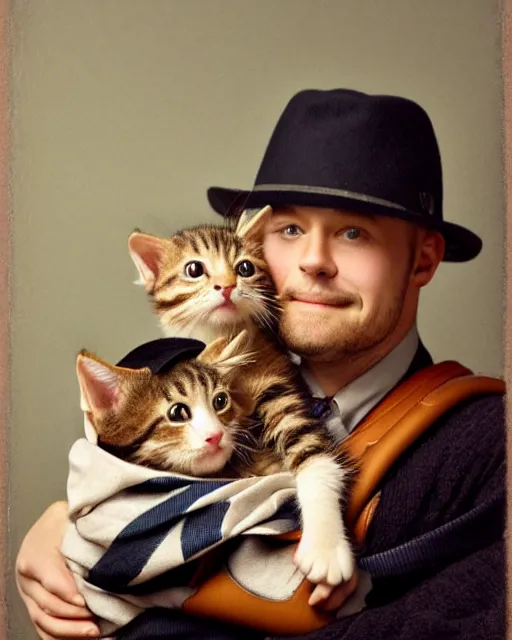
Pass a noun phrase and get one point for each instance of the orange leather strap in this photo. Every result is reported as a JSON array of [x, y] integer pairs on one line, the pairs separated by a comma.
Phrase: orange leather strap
[[397, 422]]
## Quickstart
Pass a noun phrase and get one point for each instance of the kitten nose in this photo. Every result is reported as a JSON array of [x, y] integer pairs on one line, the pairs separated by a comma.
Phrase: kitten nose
[[226, 292], [214, 438]]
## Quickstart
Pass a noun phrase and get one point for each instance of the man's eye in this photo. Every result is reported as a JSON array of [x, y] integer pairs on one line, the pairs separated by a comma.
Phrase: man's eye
[[290, 231], [352, 234]]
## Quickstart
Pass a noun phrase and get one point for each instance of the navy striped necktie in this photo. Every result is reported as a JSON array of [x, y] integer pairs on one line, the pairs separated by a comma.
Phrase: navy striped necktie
[[321, 407]]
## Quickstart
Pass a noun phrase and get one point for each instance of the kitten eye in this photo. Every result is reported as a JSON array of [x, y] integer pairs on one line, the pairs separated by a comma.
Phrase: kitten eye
[[245, 269], [220, 401], [179, 412], [194, 269]]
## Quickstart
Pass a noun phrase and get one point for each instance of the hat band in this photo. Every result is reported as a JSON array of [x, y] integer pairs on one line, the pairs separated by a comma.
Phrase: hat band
[[326, 191]]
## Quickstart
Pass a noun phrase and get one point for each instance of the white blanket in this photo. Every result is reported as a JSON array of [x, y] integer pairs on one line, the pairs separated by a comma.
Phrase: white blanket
[[135, 532]]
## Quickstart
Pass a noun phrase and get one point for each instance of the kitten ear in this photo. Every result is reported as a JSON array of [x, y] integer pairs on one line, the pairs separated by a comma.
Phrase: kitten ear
[[100, 383], [211, 352], [226, 354], [147, 252], [250, 224]]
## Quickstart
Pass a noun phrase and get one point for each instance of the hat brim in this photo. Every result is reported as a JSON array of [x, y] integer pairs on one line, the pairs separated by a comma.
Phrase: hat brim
[[462, 244]]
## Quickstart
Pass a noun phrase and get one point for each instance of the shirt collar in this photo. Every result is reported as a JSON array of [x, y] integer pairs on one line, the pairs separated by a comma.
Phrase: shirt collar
[[352, 403]]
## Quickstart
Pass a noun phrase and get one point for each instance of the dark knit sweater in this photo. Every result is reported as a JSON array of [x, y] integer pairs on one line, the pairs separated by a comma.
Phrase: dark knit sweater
[[456, 464]]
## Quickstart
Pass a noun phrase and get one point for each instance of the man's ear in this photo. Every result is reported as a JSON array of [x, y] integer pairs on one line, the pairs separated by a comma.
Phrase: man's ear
[[430, 250]]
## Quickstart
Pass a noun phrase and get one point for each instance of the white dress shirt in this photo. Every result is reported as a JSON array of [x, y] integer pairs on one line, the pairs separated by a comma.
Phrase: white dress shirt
[[352, 403]]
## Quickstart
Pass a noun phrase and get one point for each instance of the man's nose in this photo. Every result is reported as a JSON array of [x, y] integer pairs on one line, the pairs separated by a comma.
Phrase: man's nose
[[316, 259]]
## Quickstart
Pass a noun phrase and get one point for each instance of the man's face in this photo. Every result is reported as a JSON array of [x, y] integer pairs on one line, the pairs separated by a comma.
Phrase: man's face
[[344, 278]]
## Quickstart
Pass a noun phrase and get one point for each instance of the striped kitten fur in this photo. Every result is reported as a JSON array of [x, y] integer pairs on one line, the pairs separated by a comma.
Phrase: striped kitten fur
[[211, 282]]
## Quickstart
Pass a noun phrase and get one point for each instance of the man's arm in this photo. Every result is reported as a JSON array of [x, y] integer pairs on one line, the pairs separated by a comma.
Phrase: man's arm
[[46, 584], [58, 611]]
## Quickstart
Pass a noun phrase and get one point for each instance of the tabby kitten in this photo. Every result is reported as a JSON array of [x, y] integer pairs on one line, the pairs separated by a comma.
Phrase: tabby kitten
[[208, 282], [182, 420]]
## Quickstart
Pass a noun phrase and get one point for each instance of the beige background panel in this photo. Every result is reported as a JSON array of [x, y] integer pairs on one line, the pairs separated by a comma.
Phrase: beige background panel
[[126, 111], [4, 304]]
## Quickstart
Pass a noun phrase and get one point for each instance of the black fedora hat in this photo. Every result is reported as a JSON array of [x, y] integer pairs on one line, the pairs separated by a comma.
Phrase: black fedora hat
[[344, 149]]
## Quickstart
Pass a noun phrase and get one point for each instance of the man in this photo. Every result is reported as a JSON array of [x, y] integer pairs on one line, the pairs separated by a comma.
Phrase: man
[[356, 186]]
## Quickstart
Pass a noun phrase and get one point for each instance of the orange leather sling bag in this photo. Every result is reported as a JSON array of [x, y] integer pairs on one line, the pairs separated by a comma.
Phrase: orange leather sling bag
[[402, 417]]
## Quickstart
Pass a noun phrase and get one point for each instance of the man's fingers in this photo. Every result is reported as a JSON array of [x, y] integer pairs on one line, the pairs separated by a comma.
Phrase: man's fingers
[[340, 594], [51, 628], [58, 580], [320, 593], [53, 605], [63, 586], [329, 599], [41, 634]]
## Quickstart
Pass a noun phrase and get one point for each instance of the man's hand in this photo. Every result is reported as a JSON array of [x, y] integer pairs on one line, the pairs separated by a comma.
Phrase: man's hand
[[46, 584], [331, 598]]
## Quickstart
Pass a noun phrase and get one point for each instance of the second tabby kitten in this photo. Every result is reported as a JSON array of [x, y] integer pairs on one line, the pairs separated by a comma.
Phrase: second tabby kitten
[[180, 418], [211, 281]]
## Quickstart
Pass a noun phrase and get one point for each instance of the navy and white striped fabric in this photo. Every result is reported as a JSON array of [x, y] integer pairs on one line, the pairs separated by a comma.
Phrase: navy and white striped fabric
[[135, 533]]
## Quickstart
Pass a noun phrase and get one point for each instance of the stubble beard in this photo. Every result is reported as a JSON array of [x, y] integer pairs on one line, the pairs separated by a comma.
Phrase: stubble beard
[[340, 338]]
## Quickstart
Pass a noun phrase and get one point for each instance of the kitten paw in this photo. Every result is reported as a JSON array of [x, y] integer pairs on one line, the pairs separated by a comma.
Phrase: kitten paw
[[322, 562]]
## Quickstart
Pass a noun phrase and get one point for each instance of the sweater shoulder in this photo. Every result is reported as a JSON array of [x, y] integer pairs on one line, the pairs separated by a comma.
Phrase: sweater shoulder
[[480, 420], [457, 462]]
